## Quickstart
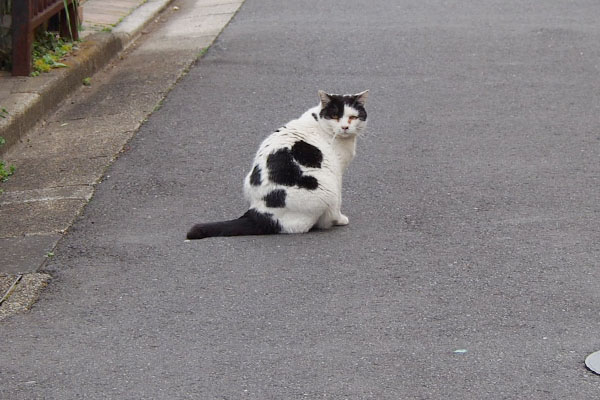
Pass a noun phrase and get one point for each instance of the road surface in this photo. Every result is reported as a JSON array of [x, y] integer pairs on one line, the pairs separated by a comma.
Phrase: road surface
[[470, 266]]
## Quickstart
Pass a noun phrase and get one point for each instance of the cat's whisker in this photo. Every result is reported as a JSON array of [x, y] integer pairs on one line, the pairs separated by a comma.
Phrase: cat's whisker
[[333, 139]]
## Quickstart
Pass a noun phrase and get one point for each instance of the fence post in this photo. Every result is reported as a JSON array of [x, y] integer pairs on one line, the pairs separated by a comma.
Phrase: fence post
[[22, 37]]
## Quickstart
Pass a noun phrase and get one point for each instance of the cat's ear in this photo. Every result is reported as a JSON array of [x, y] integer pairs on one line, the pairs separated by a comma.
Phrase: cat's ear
[[361, 98], [325, 99]]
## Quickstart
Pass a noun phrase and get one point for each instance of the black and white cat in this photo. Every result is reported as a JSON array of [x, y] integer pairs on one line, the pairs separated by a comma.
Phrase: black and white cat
[[295, 183]]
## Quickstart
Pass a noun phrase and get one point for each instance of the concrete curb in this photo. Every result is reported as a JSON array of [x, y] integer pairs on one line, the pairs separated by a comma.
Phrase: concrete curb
[[133, 24], [33, 98], [74, 149]]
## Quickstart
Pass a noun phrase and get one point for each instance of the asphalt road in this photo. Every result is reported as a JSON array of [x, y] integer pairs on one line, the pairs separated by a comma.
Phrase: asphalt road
[[473, 205]]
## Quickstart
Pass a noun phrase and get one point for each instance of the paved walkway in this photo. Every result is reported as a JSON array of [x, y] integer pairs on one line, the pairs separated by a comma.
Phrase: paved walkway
[[98, 16], [106, 14], [62, 159], [30, 222]]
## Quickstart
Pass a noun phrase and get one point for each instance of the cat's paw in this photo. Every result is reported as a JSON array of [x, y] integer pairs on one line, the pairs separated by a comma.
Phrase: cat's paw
[[342, 220]]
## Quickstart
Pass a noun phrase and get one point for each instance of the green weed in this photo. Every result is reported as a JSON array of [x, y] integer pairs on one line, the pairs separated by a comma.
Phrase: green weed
[[5, 170], [48, 50]]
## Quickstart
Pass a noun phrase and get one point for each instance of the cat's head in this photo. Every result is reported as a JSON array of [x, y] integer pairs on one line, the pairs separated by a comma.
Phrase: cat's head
[[343, 115]]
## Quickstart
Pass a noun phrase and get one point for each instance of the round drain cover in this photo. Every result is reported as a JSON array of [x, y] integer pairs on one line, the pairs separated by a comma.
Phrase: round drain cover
[[593, 362]]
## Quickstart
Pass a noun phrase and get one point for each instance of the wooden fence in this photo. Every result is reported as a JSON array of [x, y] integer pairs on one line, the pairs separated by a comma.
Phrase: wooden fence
[[27, 16]]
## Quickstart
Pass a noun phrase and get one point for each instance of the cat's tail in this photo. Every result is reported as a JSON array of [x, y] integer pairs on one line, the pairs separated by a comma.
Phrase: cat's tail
[[251, 223]]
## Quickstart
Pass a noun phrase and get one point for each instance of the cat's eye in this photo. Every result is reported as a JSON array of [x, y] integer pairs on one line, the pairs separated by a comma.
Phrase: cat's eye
[[352, 118]]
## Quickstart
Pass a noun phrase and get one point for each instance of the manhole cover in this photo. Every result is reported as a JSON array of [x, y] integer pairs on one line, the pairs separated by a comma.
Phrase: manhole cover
[[593, 362]]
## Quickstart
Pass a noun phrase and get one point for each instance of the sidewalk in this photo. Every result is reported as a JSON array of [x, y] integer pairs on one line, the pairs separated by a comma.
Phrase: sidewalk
[[108, 27], [61, 155]]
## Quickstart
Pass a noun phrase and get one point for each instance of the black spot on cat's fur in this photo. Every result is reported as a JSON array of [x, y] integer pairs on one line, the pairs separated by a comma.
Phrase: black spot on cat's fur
[[308, 182], [362, 113], [276, 198], [307, 154], [335, 108], [315, 117], [263, 222], [283, 170], [255, 176]]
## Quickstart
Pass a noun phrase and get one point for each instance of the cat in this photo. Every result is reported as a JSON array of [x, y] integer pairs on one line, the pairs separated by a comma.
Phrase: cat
[[295, 183]]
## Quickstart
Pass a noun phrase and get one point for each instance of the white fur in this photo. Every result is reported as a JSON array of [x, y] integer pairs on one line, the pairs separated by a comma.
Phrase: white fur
[[304, 208]]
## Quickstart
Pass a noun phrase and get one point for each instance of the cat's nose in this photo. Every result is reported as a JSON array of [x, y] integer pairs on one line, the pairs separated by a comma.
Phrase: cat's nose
[[345, 128]]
